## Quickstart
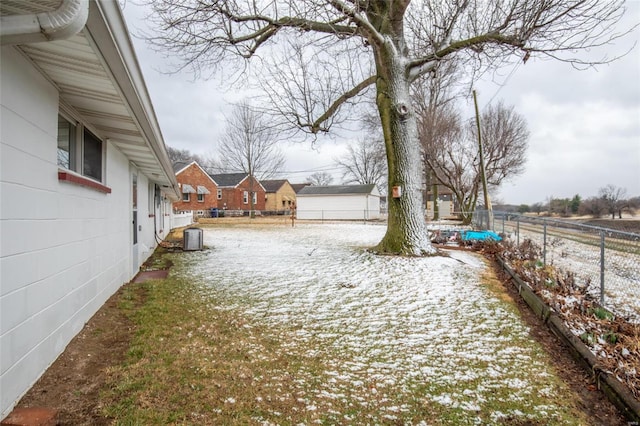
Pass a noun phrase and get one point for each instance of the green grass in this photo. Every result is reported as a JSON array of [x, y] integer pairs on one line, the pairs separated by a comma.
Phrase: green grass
[[602, 314]]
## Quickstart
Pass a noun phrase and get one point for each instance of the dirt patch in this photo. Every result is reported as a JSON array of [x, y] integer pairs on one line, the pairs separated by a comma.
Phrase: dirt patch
[[72, 385]]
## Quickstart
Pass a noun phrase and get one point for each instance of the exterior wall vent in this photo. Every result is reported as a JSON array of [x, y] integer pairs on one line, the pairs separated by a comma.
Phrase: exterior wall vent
[[193, 239]]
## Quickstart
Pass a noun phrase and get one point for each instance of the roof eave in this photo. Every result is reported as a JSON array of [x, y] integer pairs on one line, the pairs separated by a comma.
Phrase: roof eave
[[108, 29]]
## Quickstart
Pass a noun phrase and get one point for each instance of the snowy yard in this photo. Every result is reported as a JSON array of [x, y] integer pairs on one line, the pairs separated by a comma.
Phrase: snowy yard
[[397, 337]]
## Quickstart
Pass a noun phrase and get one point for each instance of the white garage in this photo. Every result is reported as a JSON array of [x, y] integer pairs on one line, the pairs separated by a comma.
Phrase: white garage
[[339, 202]]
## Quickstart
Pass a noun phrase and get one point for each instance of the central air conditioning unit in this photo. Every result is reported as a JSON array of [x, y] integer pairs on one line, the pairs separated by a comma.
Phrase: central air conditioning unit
[[193, 239]]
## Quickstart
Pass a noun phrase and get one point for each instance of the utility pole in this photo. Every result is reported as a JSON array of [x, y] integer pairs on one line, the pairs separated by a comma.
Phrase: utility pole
[[483, 176]]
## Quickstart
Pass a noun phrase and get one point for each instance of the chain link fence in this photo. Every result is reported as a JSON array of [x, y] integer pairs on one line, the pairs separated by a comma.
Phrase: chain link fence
[[606, 261]]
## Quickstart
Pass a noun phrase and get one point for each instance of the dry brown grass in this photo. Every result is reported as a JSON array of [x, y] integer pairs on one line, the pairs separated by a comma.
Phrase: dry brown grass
[[284, 220]]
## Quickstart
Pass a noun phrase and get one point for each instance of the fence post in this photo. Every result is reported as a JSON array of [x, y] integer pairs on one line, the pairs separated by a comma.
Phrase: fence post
[[544, 242], [602, 268], [517, 231], [503, 215]]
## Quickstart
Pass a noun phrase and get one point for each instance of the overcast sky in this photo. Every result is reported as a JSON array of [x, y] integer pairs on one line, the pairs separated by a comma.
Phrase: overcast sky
[[585, 125]]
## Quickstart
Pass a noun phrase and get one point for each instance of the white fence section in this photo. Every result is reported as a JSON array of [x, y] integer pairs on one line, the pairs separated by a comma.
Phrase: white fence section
[[178, 220]]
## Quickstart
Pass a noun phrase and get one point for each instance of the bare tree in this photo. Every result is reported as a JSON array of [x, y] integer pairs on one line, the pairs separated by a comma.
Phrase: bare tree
[[505, 141], [613, 198], [183, 157], [341, 48], [433, 95], [560, 206], [365, 163], [439, 127], [211, 162], [451, 151], [537, 208], [634, 204], [320, 179], [249, 145], [593, 206]]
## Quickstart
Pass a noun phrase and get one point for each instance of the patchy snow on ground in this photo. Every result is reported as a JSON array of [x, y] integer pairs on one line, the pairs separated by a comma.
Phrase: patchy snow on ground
[[397, 332], [621, 275]]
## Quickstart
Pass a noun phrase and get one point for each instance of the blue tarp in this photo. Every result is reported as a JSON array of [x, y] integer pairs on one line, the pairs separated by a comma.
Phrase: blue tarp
[[480, 236]]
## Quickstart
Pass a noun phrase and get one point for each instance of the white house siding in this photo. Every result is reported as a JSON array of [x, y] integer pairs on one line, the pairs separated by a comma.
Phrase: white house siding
[[373, 203], [65, 249], [338, 207]]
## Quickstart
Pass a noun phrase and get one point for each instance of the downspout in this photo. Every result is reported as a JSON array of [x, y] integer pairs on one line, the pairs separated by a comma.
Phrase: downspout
[[61, 23]]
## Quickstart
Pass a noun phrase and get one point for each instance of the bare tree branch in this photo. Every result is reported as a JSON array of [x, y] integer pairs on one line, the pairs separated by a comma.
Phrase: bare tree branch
[[320, 179], [364, 163], [451, 152], [341, 47], [315, 127], [248, 144]]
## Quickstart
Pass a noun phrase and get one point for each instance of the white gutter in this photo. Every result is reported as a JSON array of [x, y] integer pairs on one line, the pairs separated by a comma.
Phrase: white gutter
[[61, 23]]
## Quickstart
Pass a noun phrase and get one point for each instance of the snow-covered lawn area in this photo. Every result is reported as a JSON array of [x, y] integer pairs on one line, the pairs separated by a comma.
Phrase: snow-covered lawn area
[[399, 338]]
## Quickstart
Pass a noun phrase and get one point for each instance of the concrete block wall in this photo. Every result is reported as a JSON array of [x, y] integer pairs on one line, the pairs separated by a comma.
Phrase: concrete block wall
[[64, 248]]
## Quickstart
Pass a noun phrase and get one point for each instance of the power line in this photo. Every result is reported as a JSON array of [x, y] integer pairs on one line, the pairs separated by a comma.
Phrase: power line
[[280, 173], [318, 169], [505, 81]]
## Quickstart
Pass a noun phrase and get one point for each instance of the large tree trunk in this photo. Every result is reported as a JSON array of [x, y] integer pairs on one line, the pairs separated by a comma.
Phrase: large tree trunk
[[406, 229]]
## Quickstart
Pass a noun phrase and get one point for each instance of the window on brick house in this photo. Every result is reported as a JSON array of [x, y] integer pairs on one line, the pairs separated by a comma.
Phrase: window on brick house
[[219, 194], [245, 197], [185, 197], [254, 196], [201, 198]]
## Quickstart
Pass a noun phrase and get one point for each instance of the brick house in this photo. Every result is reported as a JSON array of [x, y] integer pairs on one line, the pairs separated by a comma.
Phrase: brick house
[[198, 189], [235, 189], [280, 195]]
